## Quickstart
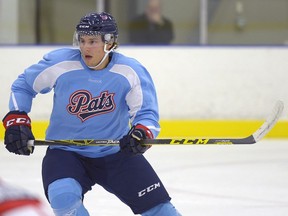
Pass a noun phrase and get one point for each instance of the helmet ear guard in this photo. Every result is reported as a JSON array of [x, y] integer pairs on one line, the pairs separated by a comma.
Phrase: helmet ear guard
[[75, 41], [108, 38]]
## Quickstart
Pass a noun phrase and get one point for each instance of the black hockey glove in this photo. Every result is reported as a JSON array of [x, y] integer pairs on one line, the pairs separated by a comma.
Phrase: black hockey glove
[[130, 143], [18, 132]]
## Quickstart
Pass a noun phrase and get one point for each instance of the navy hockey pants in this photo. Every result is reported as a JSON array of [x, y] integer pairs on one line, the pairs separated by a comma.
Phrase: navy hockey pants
[[130, 178]]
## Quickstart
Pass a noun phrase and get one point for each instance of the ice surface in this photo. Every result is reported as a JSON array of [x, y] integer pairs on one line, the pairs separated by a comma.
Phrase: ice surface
[[238, 180]]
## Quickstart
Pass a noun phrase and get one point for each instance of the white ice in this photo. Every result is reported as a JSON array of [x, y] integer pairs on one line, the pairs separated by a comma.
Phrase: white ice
[[238, 180]]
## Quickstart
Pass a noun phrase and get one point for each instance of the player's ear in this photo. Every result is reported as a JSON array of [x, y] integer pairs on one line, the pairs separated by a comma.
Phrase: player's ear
[[111, 45]]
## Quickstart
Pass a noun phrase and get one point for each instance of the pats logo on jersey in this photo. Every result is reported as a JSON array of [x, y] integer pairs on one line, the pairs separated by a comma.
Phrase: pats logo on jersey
[[82, 104]]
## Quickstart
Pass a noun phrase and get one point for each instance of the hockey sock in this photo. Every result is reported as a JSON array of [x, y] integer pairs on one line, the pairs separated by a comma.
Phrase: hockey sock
[[166, 209], [65, 196]]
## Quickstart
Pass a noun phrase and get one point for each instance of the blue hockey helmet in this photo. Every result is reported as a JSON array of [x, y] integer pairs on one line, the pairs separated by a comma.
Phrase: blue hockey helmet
[[98, 24]]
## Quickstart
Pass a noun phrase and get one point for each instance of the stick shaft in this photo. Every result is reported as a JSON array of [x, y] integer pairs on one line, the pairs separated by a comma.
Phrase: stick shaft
[[169, 141], [255, 137]]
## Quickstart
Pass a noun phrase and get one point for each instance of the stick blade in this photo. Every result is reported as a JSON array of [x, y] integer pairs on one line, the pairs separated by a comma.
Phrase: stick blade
[[270, 121]]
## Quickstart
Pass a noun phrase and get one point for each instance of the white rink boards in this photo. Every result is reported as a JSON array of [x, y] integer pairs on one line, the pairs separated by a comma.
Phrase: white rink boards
[[250, 180]]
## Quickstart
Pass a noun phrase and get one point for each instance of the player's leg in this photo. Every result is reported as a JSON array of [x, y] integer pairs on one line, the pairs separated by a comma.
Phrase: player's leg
[[64, 179], [134, 182], [65, 196], [166, 209]]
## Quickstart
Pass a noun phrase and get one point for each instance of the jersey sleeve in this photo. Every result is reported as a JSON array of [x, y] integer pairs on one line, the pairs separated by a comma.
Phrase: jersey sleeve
[[38, 78], [22, 94], [142, 101]]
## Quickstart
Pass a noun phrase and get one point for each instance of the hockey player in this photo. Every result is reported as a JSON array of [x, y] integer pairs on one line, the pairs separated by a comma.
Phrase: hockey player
[[18, 202], [97, 93]]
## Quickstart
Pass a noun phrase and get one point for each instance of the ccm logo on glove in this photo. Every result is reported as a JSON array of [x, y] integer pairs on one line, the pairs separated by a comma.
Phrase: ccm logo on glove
[[16, 120], [18, 133]]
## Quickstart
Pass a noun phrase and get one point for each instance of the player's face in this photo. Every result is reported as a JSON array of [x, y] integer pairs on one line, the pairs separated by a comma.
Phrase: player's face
[[92, 49]]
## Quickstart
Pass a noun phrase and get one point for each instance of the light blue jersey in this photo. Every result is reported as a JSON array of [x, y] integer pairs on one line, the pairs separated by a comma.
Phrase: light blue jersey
[[89, 104]]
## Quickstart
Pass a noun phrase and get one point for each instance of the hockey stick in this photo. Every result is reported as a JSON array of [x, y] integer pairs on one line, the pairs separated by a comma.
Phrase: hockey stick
[[255, 137]]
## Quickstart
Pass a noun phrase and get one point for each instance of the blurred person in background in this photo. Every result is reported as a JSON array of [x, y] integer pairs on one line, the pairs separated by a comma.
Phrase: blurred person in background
[[151, 27], [16, 201]]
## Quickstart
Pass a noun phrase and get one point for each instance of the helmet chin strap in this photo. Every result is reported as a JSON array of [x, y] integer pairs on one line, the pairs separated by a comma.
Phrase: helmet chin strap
[[104, 57]]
